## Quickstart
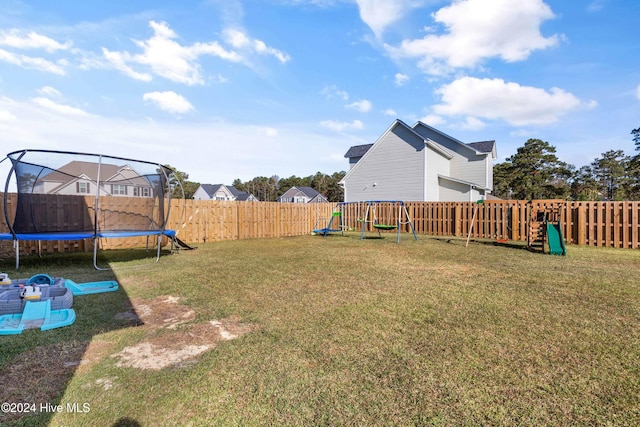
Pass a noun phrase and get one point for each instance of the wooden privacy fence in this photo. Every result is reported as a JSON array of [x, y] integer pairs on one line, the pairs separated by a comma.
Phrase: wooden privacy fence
[[197, 221], [606, 224]]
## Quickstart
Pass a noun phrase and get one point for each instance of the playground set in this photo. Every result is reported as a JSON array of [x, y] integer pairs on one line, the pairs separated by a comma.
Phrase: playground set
[[379, 215], [545, 228], [42, 301]]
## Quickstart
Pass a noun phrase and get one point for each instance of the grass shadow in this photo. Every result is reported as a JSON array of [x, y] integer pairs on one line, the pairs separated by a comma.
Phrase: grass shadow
[[462, 242], [36, 366]]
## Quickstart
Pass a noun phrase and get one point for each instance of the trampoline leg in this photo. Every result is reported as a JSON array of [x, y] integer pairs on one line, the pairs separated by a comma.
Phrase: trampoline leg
[[16, 245], [159, 246], [95, 255]]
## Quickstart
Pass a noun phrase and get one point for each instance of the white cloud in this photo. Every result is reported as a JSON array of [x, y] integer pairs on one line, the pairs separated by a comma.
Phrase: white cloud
[[342, 126], [496, 99], [330, 92], [432, 120], [401, 79], [118, 60], [379, 14], [472, 123], [362, 106], [168, 58], [638, 92], [240, 40], [28, 125], [169, 101], [270, 132], [477, 30], [59, 108], [390, 112], [16, 39], [31, 62], [49, 91], [6, 116], [596, 5]]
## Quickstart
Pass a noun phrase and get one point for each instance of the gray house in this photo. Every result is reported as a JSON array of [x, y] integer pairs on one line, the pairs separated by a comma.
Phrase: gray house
[[302, 195], [419, 163], [222, 192]]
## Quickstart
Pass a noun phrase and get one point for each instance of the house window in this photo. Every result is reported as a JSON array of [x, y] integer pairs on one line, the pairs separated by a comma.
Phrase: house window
[[141, 191], [82, 187], [119, 189]]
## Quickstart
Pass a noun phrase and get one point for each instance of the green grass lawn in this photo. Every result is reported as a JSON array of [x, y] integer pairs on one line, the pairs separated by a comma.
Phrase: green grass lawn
[[338, 331]]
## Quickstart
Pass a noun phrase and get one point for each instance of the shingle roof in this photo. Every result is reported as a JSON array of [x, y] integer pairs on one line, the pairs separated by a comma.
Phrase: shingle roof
[[358, 150], [77, 168], [482, 146], [234, 190], [308, 191], [211, 188]]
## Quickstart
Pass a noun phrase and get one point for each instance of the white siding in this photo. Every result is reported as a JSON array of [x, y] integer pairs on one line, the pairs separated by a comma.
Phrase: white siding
[[200, 194], [393, 169], [451, 191], [466, 164], [436, 165]]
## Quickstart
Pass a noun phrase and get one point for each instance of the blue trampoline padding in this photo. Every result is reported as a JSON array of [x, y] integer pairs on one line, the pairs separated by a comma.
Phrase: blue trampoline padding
[[79, 235], [62, 235], [132, 233]]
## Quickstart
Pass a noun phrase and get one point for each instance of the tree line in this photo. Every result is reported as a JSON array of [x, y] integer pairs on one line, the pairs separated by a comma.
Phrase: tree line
[[269, 189], [535, 172]]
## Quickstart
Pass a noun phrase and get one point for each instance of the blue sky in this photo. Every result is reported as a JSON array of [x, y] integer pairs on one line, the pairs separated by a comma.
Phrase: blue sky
[[225, 89]]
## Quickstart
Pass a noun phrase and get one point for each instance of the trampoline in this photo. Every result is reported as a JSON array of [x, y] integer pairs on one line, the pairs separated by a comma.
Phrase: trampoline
[[74, 196]]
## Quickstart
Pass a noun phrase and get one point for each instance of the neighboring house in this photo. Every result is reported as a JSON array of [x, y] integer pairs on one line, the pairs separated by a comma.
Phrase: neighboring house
[[81, 178], [242, 196], [419, 163], [222, 192], [302, 195]]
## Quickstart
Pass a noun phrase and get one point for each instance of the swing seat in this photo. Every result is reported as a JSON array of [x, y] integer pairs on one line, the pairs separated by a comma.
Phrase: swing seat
[[384, 227]]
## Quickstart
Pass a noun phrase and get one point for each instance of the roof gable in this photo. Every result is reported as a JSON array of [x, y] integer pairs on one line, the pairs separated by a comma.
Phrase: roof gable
[[358, 150], [300, 191], [484, 147], [210, 189], [395, 124], [420, 127]]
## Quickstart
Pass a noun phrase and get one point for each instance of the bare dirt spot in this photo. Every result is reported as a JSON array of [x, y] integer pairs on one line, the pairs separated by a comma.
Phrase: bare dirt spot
[[160, 312], [174, 341], [178, 349]]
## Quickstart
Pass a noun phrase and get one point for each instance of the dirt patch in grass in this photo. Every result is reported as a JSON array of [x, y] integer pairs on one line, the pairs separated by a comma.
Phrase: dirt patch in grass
[[175, 340], [160, 312], [182, 339], [179, 348]]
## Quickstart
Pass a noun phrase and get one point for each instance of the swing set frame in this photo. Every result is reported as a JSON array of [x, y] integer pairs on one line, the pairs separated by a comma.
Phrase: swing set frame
[[371, 216]]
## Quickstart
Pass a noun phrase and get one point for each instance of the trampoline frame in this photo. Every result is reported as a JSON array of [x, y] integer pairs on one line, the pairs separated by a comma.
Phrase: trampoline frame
[[96, 234]]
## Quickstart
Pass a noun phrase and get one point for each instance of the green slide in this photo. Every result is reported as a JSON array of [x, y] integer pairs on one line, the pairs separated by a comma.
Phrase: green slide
[[555, 239]]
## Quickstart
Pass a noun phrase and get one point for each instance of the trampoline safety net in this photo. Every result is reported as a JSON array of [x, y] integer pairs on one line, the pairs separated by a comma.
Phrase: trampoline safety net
[[65, 192]]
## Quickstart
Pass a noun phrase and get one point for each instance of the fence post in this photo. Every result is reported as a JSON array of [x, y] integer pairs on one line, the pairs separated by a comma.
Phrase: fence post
[[582, 224]]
